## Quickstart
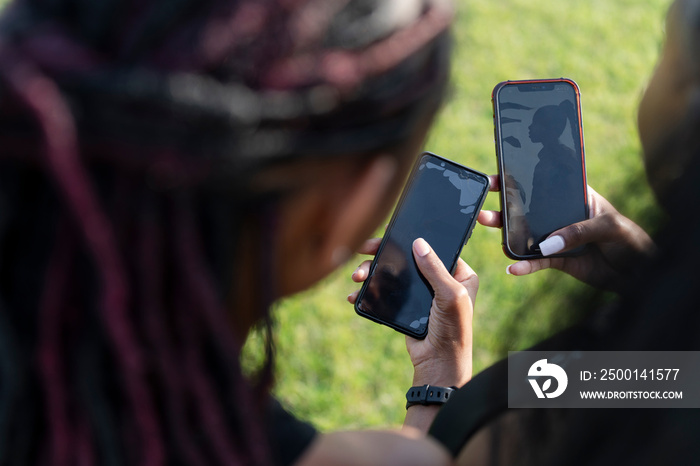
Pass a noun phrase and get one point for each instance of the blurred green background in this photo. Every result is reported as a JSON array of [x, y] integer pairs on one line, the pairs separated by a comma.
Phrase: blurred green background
[[341, 371]]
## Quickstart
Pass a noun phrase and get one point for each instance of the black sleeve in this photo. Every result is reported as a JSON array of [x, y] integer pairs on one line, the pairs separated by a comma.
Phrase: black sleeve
[[289, 436], [485, 397]]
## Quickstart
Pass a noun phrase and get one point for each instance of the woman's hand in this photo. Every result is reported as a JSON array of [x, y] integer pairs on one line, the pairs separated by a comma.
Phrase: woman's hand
[[616, 245], [444, 357]]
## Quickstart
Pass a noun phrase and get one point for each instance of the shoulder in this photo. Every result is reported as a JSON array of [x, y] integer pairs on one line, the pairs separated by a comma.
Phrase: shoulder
[[289, 437]]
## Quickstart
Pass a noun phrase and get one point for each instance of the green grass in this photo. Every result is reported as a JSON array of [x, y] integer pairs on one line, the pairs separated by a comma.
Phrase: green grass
[[341, 371]]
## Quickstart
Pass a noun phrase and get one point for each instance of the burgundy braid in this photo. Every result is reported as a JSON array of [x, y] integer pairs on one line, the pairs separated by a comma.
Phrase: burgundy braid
[[209, 412], [44, 100], [198, 279], [151, 268], [51, 361], [85, 455]]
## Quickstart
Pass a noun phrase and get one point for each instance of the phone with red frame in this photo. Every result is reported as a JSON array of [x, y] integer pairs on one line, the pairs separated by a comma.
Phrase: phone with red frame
[[440, 203], [540, 151]]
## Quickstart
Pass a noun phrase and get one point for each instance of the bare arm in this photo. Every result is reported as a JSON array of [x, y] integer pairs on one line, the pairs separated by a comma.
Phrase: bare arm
[[382, 448]]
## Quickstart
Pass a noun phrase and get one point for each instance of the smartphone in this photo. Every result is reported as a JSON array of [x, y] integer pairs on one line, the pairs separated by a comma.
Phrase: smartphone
[[539, 146], [440, 203]]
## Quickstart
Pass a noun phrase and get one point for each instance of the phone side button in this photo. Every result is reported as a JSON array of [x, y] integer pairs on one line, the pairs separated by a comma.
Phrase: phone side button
[[468, 236]]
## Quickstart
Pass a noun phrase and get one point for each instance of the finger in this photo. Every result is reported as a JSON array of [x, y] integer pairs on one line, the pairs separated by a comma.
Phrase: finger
[[592, 202], [597, 204], [495, 185], [452, 307], [370, 246], [444, 285], [465, 275], [352, 297], [527, 267], [463, 271], [601, 228], [605, 223], [490, 218], [361, 272]]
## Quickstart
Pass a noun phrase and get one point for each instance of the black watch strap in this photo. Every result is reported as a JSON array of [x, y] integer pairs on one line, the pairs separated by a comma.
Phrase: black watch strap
[[428, 395]]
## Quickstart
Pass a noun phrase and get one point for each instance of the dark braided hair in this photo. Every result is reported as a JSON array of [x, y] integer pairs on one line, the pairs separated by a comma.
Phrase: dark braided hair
[[129, 132]]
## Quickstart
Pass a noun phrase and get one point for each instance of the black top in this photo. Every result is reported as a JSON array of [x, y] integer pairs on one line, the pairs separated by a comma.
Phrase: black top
[[289, 436], [485, 397]]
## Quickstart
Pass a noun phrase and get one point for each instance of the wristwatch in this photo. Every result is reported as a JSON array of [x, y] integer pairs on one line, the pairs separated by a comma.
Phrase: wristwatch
[[428, 395]]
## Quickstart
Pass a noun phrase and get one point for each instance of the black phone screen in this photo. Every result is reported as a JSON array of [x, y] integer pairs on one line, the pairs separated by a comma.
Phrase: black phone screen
[[540, 147], [440, 203]]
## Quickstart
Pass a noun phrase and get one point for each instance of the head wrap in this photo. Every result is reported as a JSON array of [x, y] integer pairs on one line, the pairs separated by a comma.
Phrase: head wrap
[[232, 84]]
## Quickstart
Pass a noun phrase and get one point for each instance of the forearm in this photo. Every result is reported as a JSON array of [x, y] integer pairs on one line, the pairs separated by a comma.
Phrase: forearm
[[379, 448], [420, 417]]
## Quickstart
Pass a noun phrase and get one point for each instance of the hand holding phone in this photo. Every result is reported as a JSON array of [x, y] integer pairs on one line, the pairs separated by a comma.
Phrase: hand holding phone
[[440, 204], [619, 246], [444, 356]]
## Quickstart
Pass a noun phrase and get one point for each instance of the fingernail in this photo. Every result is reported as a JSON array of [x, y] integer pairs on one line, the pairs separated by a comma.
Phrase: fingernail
[[421, 247], [358, 274], [552, 245], [508, 270]]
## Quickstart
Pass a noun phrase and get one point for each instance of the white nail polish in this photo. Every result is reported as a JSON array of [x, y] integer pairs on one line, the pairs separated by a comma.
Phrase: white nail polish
[[508, 270], [552, 245]]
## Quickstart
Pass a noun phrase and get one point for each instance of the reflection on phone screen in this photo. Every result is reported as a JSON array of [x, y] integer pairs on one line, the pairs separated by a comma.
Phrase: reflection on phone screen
[[542, 162], [439, 205]]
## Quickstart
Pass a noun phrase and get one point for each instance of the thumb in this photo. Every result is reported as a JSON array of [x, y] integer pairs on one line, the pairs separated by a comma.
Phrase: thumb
[[430, 264], [448, 291], [451, 312], [597, 229]]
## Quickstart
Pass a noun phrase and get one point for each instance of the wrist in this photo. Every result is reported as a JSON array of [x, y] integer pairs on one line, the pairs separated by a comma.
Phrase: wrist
[[441, 374], [427, 395], [423, 404], [421, 417]]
